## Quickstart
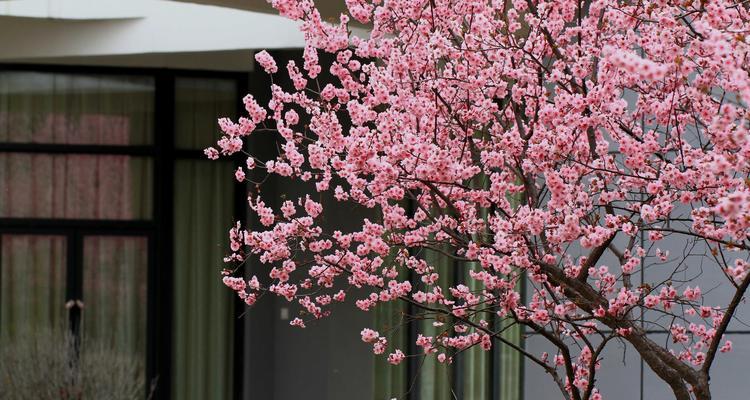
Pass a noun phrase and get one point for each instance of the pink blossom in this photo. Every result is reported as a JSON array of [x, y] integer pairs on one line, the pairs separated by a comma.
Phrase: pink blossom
[[236, 284], [239, 174], [726, 347], [692, 294], [369, 335], [211, 153], [312, 208], [396, 357], [379, 346], [266, 61], [297, 322], [250, 163]]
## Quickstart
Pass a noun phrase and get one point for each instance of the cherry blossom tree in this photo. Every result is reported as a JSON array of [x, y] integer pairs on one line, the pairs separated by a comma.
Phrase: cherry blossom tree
[[556, 145]]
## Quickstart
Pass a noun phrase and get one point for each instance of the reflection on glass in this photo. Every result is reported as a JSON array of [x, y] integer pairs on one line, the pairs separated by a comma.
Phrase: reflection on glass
[[114, 293], [199, 103], [76, 109], [32, 284], [75, 186]]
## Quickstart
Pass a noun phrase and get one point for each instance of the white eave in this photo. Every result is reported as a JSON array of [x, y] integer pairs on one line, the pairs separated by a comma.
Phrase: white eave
[[328, 8], [49, 29], [73, 10]]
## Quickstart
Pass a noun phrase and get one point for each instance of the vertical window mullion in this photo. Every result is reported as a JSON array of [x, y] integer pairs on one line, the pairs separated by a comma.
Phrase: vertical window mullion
[[74, 282], [160, 300]]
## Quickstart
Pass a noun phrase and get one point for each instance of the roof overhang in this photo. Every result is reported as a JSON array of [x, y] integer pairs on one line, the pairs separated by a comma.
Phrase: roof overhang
[[75, 9], [96, 29], [328, 8]]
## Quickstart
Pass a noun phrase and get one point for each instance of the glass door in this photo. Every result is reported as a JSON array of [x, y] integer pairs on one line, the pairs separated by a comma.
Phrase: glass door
[[114, 299], [73, 312], [33, 282]]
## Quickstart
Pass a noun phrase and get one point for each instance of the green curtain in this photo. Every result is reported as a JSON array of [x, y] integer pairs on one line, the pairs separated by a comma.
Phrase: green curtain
[[75, 186], [75, 109], [203, 312], [199, 102], [38, 107], [436, 380], [32, 285], [476, 362], [115, 275], [510, 363], [390, 319]]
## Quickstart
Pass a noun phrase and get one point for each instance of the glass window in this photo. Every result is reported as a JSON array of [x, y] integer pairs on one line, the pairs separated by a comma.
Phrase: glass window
[[75, 186], [32, 284], [39, 296], [199, 103], [115, 272], [99, 283], [203, 308], [76, 109]]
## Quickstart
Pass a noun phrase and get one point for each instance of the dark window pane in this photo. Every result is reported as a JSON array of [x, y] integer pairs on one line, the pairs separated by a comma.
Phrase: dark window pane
[[76, 109], [114, 298], [199, 103], [32, 285], [75, 186]]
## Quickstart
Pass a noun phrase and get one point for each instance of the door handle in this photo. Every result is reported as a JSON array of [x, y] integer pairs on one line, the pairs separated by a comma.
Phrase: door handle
[[77, 303]]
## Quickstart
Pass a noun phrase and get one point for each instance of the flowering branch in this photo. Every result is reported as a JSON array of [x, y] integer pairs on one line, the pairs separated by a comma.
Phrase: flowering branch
[[565, 146]]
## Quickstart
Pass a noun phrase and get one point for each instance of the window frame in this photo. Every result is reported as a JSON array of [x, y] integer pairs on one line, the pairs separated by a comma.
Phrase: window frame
[[158, 230]]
